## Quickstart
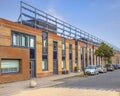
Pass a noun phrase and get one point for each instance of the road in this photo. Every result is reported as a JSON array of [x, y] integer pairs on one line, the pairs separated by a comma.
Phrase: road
[[106, 81]]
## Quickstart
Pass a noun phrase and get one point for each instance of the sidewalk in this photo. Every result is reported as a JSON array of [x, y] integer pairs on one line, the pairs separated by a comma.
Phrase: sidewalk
[[9, 89]]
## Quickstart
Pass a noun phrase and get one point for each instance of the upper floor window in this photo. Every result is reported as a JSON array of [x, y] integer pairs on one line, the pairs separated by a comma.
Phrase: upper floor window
[[44, 38], [70, 48], [16, 39], [24, 43], [22, 40], [55, 46], [45, 42], [32, 42]]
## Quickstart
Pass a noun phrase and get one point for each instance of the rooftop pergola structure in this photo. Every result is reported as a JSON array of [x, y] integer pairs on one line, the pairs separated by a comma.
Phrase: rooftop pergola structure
[[66, 30]]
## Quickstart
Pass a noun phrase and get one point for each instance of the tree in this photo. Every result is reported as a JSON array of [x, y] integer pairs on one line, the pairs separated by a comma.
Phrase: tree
[[104, 51]]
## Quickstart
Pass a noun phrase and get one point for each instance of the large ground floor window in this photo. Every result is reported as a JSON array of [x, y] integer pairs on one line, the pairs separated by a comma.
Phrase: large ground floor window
[[10, 66]]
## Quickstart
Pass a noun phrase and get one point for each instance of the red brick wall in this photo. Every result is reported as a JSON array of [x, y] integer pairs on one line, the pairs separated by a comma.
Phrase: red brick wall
[[15, 53]]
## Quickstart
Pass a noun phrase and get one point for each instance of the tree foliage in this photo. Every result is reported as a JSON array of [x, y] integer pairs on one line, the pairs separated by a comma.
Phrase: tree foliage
[[105, 51]]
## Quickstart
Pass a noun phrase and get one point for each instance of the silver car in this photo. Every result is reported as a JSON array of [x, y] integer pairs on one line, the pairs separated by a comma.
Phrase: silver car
[[91, 70], [101, 69]]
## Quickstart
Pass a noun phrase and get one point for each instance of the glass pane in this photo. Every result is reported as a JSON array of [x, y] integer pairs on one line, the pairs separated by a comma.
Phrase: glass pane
[[44, 43], [44, 35], [16, 39], [44, 65], [23, 41], [63, 64], [32, 42], [63, 46], [9, 66]]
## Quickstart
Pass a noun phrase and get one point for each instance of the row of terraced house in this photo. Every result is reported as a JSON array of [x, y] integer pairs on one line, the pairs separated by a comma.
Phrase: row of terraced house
[[33, 48]]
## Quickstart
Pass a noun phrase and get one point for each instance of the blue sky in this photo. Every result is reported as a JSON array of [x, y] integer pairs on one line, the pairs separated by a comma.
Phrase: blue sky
[[98, 17]]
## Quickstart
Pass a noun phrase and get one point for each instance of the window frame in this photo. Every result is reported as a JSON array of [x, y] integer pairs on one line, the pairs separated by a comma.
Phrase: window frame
[[27, 41]]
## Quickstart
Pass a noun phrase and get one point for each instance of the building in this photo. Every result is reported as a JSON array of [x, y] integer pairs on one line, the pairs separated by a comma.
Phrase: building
[[42, 46]]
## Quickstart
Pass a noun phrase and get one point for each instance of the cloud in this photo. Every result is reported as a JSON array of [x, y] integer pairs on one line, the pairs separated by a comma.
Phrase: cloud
[[51, 9], [54, 13]]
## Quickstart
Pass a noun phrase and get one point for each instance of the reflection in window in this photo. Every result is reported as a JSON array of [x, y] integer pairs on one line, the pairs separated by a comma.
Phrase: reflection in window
[[44, 65], [32, 42], [63, 64], [44, 42], [23, 40], [16, 39], [10, 66], [54, 45], [70, 48], [63, 46]]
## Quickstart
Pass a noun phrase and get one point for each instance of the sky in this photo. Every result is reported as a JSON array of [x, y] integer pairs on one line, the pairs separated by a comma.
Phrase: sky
[[100, 18]]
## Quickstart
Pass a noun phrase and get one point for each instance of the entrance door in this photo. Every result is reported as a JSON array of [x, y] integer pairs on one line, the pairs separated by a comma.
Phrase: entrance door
[[55, 67], [32, 68]]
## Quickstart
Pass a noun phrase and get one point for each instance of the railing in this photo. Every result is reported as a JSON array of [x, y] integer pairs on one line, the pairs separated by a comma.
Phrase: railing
[[28, 13]]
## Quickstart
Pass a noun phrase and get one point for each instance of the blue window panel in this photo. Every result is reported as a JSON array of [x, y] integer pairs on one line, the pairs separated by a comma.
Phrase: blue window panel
[[63, 58], [70, 56], [55, 55], [44, 57], [32, 53]]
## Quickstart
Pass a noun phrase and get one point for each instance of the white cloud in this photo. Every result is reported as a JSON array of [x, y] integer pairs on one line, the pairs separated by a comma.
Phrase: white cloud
[[54, 13], [51, 9]]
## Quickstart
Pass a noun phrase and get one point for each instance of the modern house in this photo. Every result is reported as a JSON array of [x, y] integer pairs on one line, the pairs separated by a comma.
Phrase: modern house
[[41, 45]]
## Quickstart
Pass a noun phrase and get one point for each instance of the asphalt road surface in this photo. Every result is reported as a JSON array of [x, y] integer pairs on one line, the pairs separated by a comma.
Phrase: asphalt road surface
[[106, 81]]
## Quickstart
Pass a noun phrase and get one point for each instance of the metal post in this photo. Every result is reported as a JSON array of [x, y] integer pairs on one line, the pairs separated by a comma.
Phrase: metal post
[[21, 11]]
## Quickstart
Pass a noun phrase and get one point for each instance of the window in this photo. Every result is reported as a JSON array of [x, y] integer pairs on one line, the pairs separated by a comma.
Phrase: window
[[16, 39], [44, 43], [55, 46], [10, 66], [24, 40], [32, 42], [44, 65], [63, 64], [44, 38], [70, 48], [63, 46]]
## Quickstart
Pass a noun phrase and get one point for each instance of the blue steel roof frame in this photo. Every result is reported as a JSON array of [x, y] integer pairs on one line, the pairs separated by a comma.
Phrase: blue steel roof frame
[[72, 33]]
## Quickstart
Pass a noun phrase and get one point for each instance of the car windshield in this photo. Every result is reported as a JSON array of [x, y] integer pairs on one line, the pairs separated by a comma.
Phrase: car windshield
[[91, 67]]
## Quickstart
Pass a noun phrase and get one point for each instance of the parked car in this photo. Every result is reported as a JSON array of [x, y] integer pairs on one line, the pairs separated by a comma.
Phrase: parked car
[[91, 70], [110, 67], [101, 69], [115, 66], [104, 69], [118, 66]]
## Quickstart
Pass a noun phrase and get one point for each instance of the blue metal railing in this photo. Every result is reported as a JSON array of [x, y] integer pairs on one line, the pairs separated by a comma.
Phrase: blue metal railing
[[59, 26]]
